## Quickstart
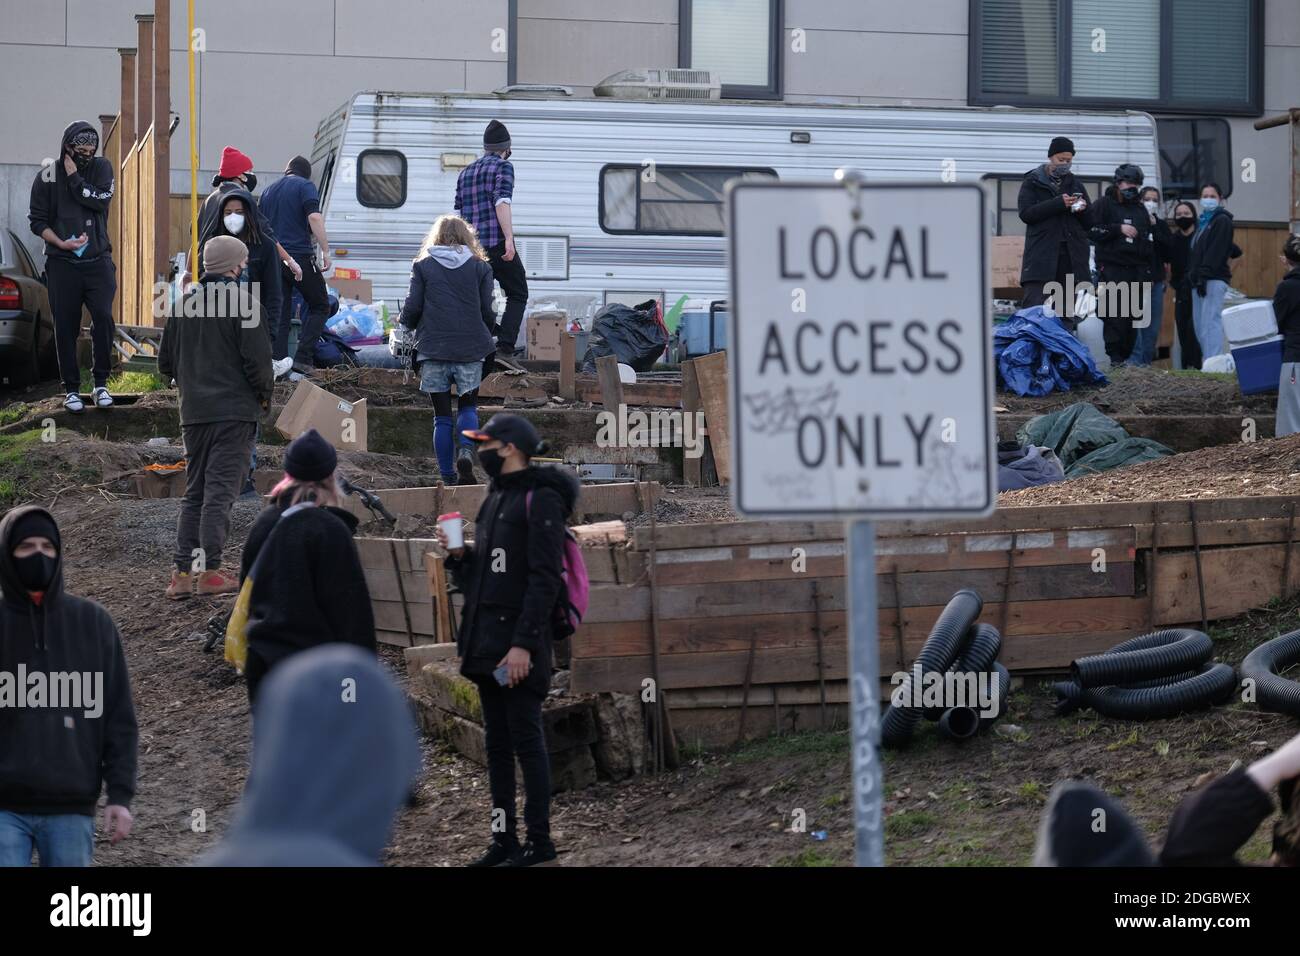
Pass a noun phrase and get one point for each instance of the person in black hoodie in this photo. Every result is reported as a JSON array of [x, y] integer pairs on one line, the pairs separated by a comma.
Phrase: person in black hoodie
[[1054, 208], [237, 216], [1208, 272], [1148, 336], [450, 307], [236, 172], [1286, 308], [69, 210], [308, 586], [56, 755], [511, 577], [1124, 239], [1180, 247]]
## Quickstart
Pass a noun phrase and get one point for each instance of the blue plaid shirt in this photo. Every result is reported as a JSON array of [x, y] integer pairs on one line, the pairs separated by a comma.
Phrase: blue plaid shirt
[[481, 185]]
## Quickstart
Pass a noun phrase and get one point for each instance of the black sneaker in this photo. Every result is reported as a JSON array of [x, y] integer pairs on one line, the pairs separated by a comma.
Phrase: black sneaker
[[533, 854], [465, 467], [499, 853], [507, 359]]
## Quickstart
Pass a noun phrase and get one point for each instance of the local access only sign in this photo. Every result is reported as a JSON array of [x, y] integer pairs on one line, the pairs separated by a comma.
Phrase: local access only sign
[[860, 356]]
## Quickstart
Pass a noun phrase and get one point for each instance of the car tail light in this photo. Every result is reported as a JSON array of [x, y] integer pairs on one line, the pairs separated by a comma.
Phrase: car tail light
[[11, 297]]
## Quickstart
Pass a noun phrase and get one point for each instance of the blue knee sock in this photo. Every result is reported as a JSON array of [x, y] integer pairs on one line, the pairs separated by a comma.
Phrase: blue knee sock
[[442, 447], [466, 420]]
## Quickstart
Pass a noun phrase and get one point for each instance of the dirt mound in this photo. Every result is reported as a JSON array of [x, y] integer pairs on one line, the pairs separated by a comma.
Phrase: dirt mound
[[33, 468], [1152, 391], [1269, 467]]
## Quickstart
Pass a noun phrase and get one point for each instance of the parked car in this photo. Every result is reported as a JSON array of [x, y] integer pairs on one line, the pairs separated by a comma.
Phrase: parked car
[[26, 322]]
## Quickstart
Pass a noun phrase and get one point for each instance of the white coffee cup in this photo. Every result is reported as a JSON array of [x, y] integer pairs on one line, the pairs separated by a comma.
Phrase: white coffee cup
[[453, 527]]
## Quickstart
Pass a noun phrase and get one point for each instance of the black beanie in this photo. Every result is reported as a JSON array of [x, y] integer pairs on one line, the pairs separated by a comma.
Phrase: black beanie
[[1060, 145], [496, 136], [299, 166], [35, 524], [310, 457]]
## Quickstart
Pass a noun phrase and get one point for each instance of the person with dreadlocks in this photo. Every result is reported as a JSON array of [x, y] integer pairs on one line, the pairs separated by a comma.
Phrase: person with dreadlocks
[[236, 172], [69, 210]]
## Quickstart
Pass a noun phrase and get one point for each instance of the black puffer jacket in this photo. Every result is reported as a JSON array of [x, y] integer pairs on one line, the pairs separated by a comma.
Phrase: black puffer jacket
[[1048, 223], [450, 306], [56, 760], [309, 588], [1286, 307], [511, 574], [1110, 215]]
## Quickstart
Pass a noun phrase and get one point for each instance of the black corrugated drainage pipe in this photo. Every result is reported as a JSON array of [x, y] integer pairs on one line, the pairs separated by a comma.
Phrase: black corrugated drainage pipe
[[1151, 655], [1274, 693]]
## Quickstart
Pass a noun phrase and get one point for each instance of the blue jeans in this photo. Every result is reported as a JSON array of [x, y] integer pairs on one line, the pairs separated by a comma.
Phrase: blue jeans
[[60, 839], [1207, 318], [1144, 349]]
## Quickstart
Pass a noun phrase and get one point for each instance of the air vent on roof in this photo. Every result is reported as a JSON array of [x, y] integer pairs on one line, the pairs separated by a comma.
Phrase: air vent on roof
[[533, 89], [661, 84]]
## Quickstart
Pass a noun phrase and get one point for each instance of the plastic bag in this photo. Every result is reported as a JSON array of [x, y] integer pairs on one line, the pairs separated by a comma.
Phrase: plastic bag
[[237, 627], [1220, 363], [635, 335], [357, 321]]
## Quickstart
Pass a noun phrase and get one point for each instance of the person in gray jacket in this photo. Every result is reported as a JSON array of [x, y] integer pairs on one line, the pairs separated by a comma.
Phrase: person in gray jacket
[[450, 308]]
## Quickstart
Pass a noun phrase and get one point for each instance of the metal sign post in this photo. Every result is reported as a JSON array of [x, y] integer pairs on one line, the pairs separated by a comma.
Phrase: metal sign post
[[860, 385]]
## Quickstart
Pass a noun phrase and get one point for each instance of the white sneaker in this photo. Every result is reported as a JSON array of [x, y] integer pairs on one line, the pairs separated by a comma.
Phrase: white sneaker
[[296, 376], [73, 403], [280, 366], [101, 398]]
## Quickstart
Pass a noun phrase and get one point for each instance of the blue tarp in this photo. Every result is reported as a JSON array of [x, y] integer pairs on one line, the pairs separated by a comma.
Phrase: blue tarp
[[1036, 355]]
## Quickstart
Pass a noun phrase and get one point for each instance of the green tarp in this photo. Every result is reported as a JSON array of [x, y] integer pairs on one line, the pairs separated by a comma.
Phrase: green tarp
[[1087, 441]]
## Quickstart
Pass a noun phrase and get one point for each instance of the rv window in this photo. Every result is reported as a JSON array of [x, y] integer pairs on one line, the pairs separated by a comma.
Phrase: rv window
[[667, 200], [381, 178]]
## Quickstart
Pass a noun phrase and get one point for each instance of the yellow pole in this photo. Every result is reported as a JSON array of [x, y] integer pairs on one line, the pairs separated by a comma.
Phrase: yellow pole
[[194, 158]]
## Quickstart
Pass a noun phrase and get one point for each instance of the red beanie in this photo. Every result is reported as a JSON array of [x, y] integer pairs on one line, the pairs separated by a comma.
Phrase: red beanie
[[233, 163]]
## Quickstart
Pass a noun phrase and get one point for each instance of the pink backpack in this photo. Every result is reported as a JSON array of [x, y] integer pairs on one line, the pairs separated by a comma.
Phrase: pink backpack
[[575, 586]]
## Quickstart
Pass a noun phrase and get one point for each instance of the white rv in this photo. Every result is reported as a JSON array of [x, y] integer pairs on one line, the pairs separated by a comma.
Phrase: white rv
[[621, 198]]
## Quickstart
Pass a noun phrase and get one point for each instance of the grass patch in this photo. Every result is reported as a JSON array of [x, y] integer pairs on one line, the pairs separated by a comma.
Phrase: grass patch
[[1191, 372], [817, 743], [1030, 790], [15, 452], [13, 413], [809, 857], [126, 382], [909, 823], [1128, 741]]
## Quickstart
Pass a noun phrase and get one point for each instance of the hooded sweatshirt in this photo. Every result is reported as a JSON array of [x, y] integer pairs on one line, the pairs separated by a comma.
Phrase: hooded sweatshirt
[[1211, 248], [72, 205], [335, 755], [208, 212], [512, 604], [263, 260], [57, 759], [450, 306]]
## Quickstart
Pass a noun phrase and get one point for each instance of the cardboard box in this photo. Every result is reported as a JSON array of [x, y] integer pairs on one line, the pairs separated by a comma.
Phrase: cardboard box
[[342, 424], [544, 330], [1006, 253], [362, 290]]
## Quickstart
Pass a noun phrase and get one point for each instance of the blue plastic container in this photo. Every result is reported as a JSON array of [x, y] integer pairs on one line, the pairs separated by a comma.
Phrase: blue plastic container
[[1259, 366], [693, 333]]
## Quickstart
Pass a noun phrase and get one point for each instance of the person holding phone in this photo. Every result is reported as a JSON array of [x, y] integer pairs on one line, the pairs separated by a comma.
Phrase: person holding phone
[[69, 210], [1125, 241], [511, 578], [1054, 207]]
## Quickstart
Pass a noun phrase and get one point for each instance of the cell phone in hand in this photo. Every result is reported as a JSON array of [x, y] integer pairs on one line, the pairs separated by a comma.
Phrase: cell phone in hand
[[502, 674]]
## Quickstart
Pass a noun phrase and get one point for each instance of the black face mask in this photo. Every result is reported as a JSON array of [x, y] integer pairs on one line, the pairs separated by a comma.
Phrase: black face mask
[[250, 182], [491, 461], [1129, 194], [36, 571], [1185, 222]]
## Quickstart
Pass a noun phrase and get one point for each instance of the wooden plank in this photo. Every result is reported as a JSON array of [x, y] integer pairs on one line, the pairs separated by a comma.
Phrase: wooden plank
[[437, 583], [382, 584], [691, 467], [611, 386], [1236, 580], [398, 638], [711, 374], [389, 617], [697, 601], [601, 533], [500, 385], [375, 554], [652, 394], [614, 565], [568, 366], [1065, 619]]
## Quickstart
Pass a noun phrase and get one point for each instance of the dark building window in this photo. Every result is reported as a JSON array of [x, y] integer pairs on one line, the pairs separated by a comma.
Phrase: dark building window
[[738, 39], [1181, 56]]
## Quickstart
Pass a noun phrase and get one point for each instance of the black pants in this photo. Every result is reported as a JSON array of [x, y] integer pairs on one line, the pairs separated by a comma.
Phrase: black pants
[[255, 669], [1188, 344], [1120, 301], [313, 291], [1035, 289], [73, 284], [514, 283], [512, 721]]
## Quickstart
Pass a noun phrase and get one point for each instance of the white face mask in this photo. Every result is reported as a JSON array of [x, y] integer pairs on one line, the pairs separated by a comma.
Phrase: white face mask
[[234, 222], [1151, 205]]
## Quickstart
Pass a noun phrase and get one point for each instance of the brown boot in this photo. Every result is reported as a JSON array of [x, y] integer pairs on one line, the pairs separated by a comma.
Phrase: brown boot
[[181, 586], [217, 582]]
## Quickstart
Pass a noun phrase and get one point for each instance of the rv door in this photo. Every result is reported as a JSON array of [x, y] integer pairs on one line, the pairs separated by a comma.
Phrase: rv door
[[326, 179]]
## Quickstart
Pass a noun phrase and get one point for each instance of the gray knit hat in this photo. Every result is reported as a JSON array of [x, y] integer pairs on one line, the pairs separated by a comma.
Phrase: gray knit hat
[[222, 254]]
